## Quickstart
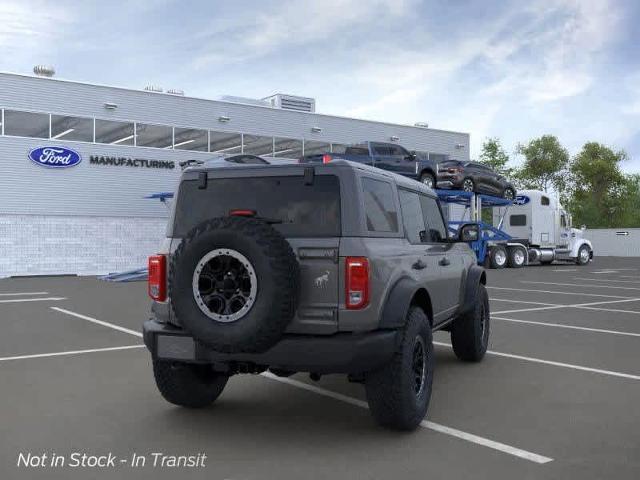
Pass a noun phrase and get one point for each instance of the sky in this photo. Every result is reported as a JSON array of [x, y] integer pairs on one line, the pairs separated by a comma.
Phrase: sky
[[508, 69]]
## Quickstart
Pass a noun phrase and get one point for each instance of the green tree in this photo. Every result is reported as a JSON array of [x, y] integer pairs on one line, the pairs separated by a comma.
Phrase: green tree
[[494, 156], [601, 194], [545, 164]]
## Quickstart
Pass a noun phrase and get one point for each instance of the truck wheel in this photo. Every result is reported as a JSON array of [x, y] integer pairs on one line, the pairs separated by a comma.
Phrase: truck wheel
[[584, 255], [398, 394], [468, 185], [188, 385], [234, 284], [497, 257], [428, 179], [470, 332], [517, 257]]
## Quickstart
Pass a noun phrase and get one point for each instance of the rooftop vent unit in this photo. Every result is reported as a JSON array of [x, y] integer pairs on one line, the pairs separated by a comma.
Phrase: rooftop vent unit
[[153, 88], [245, 100], [175, 91], [44, 71], [421, 124], [292, 102]]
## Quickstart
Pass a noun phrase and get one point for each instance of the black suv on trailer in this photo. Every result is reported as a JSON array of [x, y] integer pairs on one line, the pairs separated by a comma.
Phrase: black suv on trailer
[[474, 177], [338, 268]]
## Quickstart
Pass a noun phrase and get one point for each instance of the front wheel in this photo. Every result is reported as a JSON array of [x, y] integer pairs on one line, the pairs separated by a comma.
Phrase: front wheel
[[584, 255], [428, 179], [468, 185], [398, 394], [188, 385], [470, 332]]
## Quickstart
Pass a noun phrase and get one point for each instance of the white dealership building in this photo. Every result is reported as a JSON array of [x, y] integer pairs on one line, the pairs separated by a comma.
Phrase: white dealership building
[[77, 161]]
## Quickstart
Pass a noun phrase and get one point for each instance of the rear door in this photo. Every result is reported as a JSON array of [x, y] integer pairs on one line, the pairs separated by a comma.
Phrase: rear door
[[382, 156], [307, 214], [446, 255]]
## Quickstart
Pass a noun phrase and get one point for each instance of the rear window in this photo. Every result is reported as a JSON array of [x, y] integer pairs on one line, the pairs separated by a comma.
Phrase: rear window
[[357, 150], [303, 210]]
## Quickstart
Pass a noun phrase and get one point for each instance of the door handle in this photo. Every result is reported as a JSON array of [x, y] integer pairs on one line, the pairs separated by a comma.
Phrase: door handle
[[419, 265], [444, 262]]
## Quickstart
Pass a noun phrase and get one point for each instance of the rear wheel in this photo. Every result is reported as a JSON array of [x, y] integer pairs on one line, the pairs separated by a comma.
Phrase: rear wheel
[[470, 332], [399, 393], [497, 257], [428, 179], [508, 193], [517, 257], [188, 385]]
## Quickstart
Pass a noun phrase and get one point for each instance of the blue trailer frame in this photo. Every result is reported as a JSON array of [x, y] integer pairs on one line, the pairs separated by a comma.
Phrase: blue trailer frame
[[488, 233]]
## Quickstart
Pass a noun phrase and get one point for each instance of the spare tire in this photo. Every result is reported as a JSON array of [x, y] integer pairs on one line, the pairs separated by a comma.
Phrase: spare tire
[[234, 284]]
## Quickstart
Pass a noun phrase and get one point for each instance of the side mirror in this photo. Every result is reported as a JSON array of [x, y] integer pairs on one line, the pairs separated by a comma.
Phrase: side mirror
[[469, 233], [411, 157]]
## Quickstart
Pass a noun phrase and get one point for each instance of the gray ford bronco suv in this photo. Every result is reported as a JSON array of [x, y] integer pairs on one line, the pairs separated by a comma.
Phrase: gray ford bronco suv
[[336, 268]]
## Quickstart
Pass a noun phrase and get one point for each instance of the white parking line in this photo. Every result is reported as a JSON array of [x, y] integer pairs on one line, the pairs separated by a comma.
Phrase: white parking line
[[615, 310], [556, 292], [522, 301], [564, 270], [23, 300], [555, 364], [6, 294], [98, 322], [469, 437], [581, 285], [574, 305], [572, 327], [605, 280], [71, 352]]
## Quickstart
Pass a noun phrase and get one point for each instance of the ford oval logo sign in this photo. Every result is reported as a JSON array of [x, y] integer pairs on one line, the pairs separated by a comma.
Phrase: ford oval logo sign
[[521, 200], [55, 157]]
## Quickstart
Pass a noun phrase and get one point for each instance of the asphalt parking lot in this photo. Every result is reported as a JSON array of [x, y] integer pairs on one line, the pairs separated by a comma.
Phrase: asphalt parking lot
[[558, 396]]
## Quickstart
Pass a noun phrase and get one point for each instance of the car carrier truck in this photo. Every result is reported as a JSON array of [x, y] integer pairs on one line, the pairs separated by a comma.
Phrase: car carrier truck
[[540, 229]]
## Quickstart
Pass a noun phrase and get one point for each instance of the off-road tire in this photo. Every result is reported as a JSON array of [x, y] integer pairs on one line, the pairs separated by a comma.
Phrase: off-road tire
[[579, 258], [470, 331], [512, 259], [391, 391], [276, 270], [188, 385], [495, 253], [428, 179]]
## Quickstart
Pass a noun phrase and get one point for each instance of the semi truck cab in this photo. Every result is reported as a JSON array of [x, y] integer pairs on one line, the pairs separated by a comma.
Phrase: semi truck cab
[[538, 221]]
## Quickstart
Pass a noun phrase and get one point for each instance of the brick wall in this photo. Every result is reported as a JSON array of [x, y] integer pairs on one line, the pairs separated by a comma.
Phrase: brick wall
[[45, 245]]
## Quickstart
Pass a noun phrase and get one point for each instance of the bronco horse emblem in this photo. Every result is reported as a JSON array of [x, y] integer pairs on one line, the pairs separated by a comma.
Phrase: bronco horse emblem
[[322, 280]]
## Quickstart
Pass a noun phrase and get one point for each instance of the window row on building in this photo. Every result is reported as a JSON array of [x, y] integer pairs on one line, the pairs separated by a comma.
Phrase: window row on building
[[113, 132]]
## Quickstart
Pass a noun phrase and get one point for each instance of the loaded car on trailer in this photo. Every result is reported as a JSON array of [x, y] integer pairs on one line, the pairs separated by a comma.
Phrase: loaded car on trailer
[[474, 177], [330, 268], [387, 156]]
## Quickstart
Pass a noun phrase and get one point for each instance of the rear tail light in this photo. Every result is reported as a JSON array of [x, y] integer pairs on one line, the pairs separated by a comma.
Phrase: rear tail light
[[326, 158], [357, 282], [242, 213], [157, 283]]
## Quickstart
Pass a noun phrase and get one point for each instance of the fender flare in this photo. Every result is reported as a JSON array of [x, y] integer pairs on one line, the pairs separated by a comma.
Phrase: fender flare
[[578, 244], [398, 301], [425, 168], [475, 276]]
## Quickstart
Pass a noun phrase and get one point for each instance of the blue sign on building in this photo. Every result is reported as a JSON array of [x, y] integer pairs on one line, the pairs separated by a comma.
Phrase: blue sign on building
[[55, 157]]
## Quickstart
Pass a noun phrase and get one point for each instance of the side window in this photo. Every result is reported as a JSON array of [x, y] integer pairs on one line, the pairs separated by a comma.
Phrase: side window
[[380, 149], [436, 229], [563, 220], [397, 151], [544, 200], [518, 220], [412, 218], [379, 206]]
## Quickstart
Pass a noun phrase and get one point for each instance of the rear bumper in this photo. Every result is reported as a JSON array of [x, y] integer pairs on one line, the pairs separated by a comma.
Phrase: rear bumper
[[339, 353]]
